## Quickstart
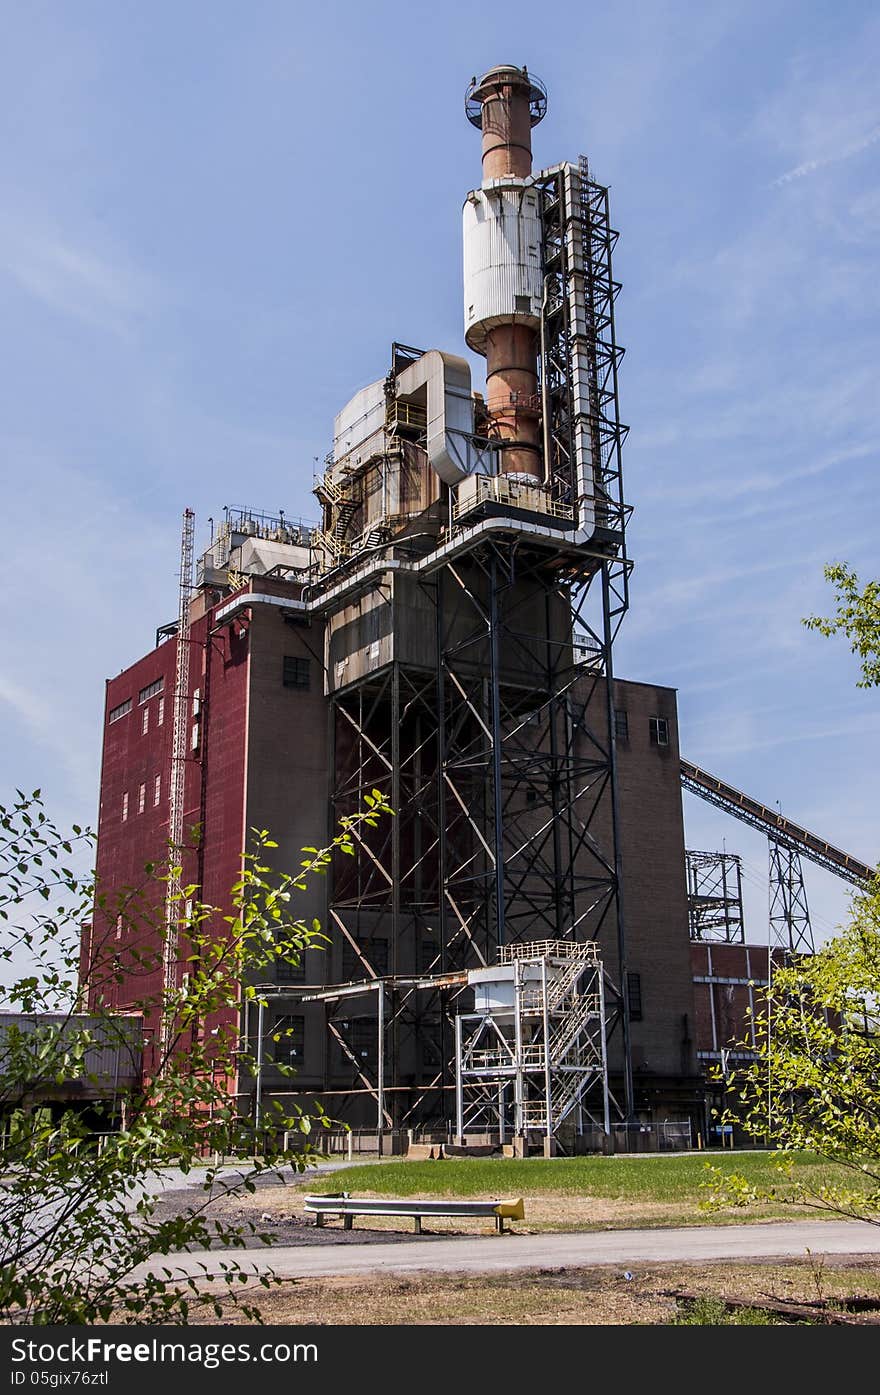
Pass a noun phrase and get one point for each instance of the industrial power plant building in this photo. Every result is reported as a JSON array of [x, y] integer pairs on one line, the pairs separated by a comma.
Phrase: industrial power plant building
[[510, 955]]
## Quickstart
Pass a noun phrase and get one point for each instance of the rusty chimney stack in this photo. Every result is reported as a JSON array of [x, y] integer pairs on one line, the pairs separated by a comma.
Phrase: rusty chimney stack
[[504, 94], [503, 281]]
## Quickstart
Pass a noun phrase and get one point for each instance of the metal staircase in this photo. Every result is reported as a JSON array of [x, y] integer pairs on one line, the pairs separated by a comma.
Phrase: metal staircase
[[526, 1065], [336, 495]]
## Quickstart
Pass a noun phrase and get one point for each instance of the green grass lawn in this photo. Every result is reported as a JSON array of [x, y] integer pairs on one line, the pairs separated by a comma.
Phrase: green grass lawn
[[661, 1178]]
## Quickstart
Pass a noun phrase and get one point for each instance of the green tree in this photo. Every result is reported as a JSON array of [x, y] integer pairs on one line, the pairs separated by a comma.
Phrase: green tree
[[857, 616], [814, 1082], [80, 1212]]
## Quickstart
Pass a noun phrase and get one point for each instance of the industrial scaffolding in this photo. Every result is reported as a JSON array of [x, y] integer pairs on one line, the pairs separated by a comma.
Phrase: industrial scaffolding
[[715, 903], [497, 750], [531, 1058]]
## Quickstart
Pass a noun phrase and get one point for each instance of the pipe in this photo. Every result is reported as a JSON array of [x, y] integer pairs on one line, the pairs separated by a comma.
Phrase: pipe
[[258, 1071], [545, 391]]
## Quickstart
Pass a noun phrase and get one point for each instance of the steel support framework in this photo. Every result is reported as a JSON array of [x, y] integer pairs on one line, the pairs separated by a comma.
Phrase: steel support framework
[[715, 905], [790, 925], [499, 758]]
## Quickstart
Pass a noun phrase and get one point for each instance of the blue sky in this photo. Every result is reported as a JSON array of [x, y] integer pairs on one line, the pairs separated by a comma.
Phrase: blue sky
[[215, 217]]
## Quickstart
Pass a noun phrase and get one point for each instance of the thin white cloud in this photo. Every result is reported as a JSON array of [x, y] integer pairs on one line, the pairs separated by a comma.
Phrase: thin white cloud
[[846, 153], [93, 286], [27, 705]]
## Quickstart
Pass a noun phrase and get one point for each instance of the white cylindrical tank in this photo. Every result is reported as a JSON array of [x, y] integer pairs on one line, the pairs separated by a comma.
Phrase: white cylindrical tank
[[494, 990], [503, 275]]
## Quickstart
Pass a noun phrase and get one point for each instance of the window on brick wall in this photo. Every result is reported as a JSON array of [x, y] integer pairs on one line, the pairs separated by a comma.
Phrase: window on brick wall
[[160, 712], [125, 806], [157, 790], [145, 721], [295, 672], [621, 724], [116, 712], [142, 798], [290, 1034], [634, 996], [374, 951], [658, 728], [151, 690]]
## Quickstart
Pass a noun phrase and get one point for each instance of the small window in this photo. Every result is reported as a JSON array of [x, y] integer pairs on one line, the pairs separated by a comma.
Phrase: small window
[[522, 304], [295, 672], [361, 1036], [125, 806], [157, 790], [197, 702], [287, 1036], [160, 712], [634, 996], [286, 972], [145, 723], [142, 798], [374, 951], [621, 724], [659, 730], [116, 712], [151, 690], [429, 957]]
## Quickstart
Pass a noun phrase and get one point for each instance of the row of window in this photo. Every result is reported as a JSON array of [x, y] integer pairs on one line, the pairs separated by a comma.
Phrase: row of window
[[142, 797], [658, 728], [123, 708], [288, 1036], [375, 952], [160, 716]]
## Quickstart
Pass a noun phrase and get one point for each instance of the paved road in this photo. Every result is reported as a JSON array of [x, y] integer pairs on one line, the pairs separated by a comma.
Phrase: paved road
[[486, 1254], [172, 1179]]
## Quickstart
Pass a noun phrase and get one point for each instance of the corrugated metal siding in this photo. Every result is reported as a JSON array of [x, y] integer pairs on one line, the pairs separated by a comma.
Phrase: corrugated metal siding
[[115, 1058], [502, 257]]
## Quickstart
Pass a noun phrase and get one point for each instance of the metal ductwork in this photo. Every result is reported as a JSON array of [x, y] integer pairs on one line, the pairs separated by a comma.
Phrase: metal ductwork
[[446, 379]]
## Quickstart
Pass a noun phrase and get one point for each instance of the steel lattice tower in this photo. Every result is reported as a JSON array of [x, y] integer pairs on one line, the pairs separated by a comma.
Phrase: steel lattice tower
[[789, 912]]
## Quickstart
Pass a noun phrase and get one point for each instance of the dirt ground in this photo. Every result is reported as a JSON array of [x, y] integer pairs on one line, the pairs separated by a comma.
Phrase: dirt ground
[[603, 1296]]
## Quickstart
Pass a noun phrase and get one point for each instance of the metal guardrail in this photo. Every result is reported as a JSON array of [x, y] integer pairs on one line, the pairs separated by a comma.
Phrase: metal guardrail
[[586, 951], [499, 489], [347, 1206]]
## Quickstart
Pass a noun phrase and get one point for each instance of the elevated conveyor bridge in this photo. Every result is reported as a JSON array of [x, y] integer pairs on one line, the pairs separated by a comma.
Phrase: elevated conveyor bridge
[[774, 825]]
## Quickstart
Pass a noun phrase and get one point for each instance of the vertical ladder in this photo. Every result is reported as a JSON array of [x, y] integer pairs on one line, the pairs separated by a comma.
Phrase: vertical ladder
[[177, 783]]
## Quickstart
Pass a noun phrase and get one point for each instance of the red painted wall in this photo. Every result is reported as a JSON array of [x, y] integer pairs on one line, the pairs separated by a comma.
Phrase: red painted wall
[[213, 805]]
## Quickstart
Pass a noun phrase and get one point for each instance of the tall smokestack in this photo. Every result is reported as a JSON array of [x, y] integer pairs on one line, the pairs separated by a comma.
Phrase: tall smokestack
[[503, 272]]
